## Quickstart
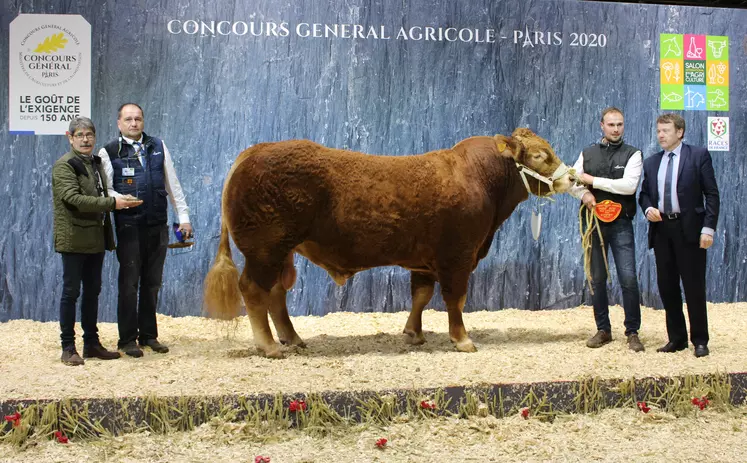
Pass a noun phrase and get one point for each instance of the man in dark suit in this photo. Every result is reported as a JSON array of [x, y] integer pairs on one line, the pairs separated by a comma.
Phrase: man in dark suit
[[680, 199]]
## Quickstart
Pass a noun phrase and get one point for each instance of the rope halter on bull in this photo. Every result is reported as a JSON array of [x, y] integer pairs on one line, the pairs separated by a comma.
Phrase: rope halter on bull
[[591, 219], [549, 181]]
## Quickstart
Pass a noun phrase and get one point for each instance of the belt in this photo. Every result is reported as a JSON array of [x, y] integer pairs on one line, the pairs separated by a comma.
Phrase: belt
[[670, 215]]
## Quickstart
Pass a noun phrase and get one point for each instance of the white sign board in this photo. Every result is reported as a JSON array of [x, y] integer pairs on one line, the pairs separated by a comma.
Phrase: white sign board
[[718, 133], [49, 73]]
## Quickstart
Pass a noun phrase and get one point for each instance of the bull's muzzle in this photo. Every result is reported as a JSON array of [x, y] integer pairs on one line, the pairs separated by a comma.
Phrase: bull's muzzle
[[559, 173]]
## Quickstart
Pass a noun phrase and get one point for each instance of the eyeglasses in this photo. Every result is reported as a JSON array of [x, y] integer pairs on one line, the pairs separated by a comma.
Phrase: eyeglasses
[[81, 136]]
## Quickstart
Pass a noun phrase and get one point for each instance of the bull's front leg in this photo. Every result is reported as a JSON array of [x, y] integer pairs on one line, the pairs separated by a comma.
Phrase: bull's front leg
[[421, 287], [454, 292]]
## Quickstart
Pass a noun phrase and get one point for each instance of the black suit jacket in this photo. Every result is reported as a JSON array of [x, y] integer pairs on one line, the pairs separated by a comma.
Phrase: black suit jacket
[[697, 191]]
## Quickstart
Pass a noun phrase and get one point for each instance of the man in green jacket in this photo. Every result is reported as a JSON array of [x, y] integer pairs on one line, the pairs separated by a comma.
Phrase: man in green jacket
[[82, 233]]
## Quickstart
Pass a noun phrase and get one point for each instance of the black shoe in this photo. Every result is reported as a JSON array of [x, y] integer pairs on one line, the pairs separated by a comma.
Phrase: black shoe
[[671, 347], [70, 357], [98, 351], [701, 350], [155, 345], [132, 350]]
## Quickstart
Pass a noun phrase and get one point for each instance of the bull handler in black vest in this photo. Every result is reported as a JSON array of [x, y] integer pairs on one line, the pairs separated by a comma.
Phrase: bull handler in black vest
[[611, 171], [140, 166]]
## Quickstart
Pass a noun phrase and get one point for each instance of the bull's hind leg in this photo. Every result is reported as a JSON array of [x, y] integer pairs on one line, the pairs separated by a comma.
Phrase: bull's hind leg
[[421, 287], [279, 308], [454, 292], [257, 302], [279, 313]]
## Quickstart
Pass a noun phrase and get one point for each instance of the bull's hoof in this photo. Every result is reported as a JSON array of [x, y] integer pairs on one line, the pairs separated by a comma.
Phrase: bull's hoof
[[296, 341], [413, 338], [273, 352], [466, 346]]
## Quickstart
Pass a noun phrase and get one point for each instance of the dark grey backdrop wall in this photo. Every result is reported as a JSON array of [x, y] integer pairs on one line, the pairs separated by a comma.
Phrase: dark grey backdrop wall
[[209, 97]]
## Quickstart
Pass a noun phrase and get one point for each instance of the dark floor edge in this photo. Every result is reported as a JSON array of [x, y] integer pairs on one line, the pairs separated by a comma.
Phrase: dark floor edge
[[541, 399]]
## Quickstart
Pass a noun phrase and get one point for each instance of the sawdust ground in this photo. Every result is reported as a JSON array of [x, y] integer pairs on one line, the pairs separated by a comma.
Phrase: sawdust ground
[[348, 351]]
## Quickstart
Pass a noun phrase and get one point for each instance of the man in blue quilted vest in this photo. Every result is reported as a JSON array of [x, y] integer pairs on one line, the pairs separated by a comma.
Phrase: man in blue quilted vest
[[139, 165]]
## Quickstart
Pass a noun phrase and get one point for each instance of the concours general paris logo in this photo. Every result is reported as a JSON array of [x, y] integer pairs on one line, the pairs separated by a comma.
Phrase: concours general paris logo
[[50, 55]]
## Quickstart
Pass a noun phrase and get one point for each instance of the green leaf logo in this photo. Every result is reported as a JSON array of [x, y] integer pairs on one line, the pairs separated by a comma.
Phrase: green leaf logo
[[52, 43]]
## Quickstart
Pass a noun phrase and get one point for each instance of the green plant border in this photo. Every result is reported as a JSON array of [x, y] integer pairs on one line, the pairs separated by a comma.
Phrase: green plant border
[[324, 413]]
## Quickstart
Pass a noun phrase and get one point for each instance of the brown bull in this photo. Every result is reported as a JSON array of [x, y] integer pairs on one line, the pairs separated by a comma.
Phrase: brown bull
[[434, 214]]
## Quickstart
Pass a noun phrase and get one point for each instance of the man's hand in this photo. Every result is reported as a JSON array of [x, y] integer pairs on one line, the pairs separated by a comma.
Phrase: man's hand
[[706, 241], [587, 179], [653, 215], [589, 200], [125, 202], [186, 230]]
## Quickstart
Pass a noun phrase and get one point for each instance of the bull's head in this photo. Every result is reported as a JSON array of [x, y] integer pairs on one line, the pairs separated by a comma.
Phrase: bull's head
[[542, 171]]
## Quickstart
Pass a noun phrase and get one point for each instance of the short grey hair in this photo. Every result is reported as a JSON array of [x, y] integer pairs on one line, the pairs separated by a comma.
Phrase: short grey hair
[[81, 123]]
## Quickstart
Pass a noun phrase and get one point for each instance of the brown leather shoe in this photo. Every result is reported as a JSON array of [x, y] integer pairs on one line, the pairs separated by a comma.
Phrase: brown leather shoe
[[634, 343], [598, 340], [70, 357], [98, 351], [155, 345], [131, 349]]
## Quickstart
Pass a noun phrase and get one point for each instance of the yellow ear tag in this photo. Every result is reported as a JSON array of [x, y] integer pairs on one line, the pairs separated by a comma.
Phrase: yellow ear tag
[[501, 147]]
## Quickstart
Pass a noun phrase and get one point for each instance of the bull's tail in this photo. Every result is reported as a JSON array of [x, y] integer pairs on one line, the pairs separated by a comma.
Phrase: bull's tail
[[221, 293]]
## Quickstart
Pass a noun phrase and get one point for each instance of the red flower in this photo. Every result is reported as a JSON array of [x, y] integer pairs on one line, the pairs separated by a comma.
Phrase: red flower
[[60, 437], [381, 443], [701, 402], [297, 405], [14, 418], [428, 404], [643, 407], [704, 402], [525, 413], [261, 459]]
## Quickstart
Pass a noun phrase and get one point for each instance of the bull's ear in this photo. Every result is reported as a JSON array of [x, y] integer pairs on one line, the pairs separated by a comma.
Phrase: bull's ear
[[507, 147]]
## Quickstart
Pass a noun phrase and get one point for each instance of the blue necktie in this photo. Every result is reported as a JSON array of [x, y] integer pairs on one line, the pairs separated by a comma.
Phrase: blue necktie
[[668, 185], [139, 152]]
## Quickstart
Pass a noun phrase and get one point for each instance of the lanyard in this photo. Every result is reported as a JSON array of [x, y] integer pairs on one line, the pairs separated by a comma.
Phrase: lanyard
[[139, 154]]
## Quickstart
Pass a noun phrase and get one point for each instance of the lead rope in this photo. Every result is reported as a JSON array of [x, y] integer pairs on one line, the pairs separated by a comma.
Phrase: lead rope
[[586, 240]]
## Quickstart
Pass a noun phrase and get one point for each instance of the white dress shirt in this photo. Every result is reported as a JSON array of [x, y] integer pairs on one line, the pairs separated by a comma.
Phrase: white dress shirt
[[173, 187], [627, 185]]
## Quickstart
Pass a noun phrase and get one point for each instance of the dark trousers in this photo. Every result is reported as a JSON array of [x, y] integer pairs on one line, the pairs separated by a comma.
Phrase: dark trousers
[[618, 237], [141, 251], [80, 268], [676, 259]]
